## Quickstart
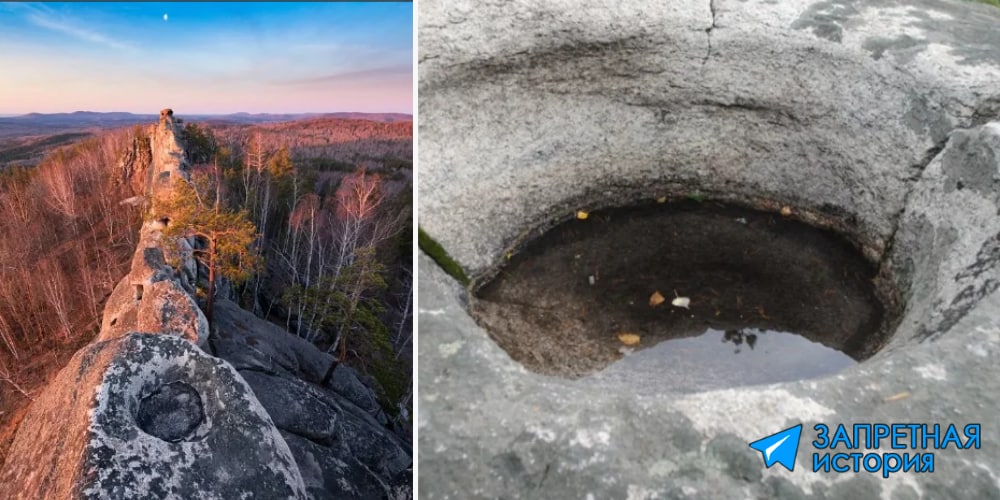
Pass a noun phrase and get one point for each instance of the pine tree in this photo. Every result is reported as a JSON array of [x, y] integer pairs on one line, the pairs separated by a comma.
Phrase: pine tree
[[229, 234]]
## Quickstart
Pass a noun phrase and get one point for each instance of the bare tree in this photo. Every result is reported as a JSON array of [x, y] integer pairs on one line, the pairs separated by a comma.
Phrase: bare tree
[[6, 376], [60, 186], [7, 338], [54, 287], [405, 324]]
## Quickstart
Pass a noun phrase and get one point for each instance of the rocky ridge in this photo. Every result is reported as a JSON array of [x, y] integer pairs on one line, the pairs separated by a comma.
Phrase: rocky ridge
[[146, 412]]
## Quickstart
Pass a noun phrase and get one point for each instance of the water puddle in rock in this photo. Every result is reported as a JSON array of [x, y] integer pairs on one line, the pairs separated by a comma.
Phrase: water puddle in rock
[[768, 299], [714, 360]]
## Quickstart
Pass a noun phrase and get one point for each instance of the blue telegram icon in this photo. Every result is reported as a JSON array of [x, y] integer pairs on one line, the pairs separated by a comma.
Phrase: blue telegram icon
[[780, 447]]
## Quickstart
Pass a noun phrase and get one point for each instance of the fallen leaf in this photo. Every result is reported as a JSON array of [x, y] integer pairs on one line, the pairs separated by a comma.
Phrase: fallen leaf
[[786, 211], [582, 214], [656, 299], [629, 338], [760, 310], [897, 397], [684, 302], [662, 199]]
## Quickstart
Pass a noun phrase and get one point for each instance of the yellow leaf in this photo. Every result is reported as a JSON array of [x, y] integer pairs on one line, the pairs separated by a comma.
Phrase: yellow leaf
[[656, 299], [681, 302], [760, 310], [786, 211], [628, 338], [897, 397], [582, 215], [662, 199]]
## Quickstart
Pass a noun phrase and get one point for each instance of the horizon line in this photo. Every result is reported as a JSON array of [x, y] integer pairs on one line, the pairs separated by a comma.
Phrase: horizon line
[[156, 113]]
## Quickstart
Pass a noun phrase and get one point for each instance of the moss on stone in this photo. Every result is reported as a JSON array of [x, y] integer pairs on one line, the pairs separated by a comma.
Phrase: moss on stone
[[435, 251]]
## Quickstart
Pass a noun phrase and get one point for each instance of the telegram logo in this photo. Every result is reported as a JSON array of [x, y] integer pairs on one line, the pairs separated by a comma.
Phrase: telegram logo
[[780, 447], [859, 447]]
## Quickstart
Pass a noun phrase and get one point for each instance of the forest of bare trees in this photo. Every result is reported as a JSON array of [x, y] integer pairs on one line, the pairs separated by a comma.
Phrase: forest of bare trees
[[334, 143], [338, 268], [65, 241]]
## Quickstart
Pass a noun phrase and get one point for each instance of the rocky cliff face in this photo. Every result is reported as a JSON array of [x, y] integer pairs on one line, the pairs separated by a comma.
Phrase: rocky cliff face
[[145, 412]]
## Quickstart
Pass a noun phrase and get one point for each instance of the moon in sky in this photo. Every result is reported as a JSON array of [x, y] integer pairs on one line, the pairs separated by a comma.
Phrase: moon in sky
[[164, 17]]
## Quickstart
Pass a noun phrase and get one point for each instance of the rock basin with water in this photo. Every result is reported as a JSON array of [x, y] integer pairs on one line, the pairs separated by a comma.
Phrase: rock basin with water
[[559, 305], [878, 119]]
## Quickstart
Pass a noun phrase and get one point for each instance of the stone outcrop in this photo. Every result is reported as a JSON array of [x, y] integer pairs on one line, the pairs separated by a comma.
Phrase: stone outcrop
[[336, 433], [156, 296], [875, 118], [89, 436], [146, 412]]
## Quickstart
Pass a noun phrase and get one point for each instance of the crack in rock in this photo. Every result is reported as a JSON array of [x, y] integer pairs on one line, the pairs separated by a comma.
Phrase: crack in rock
[[708, 34]]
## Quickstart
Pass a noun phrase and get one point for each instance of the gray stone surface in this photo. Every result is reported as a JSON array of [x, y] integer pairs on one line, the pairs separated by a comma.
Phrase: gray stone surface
[[250, 343], [840, 109], [347, 383], [86, 436], [530, 111], [338, 433], [341, 451]]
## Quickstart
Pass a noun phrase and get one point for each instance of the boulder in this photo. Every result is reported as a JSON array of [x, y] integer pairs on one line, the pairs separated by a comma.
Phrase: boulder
[[344, 452], [167, 308], [120, 312], [332, 472], [152, 297], [148, 416], [251, 343]]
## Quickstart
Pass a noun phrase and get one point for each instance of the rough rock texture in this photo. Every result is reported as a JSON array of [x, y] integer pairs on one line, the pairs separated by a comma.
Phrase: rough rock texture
[[839, 109], [169, 309], [342, 452], [144, 412], [155, 296], [251, 344], [83, 436], [169, 163], [530, 111], [338, 432]]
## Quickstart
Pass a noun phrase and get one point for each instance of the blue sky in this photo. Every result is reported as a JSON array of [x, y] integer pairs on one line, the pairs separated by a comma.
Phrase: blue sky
[[206, 57]]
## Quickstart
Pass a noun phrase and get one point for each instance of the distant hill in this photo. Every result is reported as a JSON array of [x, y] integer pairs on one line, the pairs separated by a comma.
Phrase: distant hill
[[329, 141], [345, 136], [269, 118], [44, 123]]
